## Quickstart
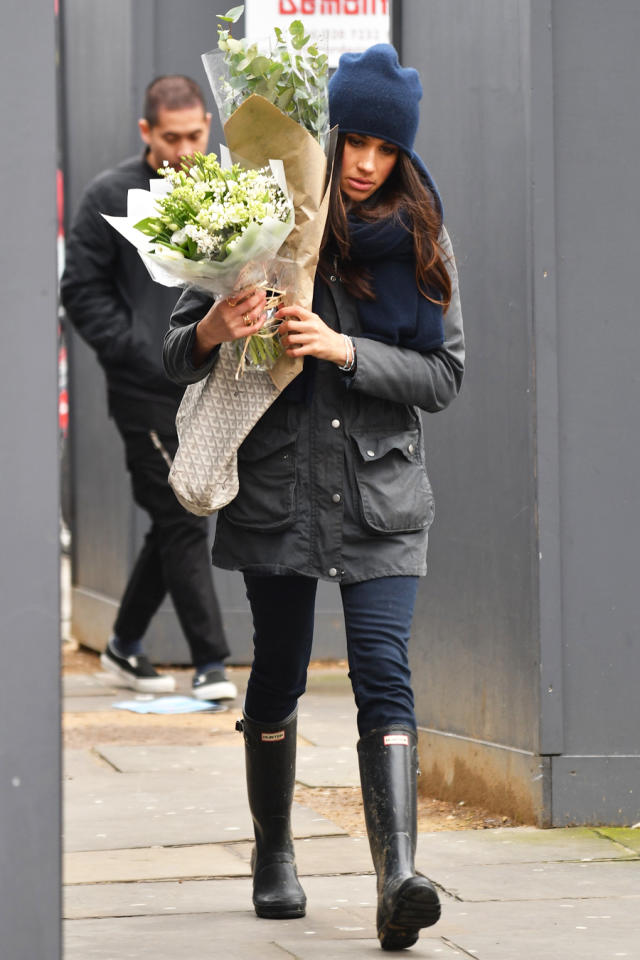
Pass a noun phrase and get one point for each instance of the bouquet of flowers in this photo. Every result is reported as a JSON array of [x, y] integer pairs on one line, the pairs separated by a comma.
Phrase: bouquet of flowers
[[218, 229], [209, 212], [273, 102]]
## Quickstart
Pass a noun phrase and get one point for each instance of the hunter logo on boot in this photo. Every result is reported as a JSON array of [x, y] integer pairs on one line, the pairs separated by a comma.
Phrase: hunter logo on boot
[[390, 739], [270, 737]]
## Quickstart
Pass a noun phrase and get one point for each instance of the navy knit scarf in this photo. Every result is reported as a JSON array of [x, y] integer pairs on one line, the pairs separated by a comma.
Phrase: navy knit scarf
[[400, 314]]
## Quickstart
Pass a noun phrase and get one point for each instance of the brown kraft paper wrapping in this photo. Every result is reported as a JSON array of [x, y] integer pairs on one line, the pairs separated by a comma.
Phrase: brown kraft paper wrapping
[[257, 132]]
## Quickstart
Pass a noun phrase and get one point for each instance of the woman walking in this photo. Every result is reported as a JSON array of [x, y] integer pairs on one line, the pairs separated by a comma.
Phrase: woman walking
[[333, 483]]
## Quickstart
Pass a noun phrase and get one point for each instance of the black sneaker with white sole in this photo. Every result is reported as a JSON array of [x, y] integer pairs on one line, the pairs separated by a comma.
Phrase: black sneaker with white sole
[[136, 672], [213, 685]]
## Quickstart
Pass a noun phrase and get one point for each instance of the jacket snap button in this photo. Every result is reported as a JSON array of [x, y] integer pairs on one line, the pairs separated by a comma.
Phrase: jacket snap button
[[333, 278], [336, 498], [335, 424], [411, 448], [371, 453], [333, 572]]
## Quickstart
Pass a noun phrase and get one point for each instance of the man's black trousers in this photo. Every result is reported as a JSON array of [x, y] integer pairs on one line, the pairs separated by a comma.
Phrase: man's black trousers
[[175, 555]]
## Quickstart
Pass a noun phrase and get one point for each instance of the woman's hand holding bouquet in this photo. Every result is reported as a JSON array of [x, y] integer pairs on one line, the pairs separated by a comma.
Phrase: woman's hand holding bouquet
[[303, 333], [228, 320]]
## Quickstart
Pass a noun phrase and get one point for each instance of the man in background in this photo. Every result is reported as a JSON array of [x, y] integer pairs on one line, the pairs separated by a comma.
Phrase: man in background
[[123, 314]]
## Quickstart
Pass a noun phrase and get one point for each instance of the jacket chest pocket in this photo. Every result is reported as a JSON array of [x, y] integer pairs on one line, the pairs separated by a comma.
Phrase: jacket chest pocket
[[394, 489], [266, 498]]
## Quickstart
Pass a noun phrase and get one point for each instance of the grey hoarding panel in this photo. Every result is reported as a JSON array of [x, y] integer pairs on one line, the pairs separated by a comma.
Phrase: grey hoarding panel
[[30, 905], [527, 630], [597, 86], [475, 651]]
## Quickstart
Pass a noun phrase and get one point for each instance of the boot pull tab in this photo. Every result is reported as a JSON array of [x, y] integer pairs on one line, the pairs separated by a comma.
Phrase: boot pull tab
[[240, 726]]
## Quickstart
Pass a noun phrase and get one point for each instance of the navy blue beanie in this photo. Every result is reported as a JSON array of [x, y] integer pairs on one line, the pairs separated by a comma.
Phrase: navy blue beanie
[[371, 94]]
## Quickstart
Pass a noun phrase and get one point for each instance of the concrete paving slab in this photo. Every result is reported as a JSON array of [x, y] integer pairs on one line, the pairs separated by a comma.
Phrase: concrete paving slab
[[229, 934], [222, 761], [207, 935], [143, 810], [513, 845], [85, 766], [541, 881], [124, 787], [549, 930], [94, 702], [103, 683], [328, 721], [153, 863], [627, 837], [316, 766], [345, 894], [165, 938], [326, 855], [319, 949], [90, 703], [88, 684], [335, 766]]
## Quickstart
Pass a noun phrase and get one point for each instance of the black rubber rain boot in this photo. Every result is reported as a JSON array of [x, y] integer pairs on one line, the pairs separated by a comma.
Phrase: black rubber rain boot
[[270, 753], [388, 769]]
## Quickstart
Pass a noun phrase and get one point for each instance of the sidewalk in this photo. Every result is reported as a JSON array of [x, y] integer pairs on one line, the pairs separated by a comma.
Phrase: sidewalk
[[158, 839]]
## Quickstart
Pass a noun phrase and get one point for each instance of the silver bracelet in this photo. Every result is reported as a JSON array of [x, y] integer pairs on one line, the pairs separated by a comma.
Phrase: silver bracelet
[[350, 362]]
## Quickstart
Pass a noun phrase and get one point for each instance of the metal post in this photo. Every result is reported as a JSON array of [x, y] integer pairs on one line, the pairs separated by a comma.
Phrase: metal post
[[29, 576]]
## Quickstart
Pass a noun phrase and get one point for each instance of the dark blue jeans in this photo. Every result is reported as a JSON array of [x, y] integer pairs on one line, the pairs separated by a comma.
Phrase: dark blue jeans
[[377, 615]]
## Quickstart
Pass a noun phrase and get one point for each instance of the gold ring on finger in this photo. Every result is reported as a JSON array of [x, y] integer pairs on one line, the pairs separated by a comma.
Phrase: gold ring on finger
[[247, 319]]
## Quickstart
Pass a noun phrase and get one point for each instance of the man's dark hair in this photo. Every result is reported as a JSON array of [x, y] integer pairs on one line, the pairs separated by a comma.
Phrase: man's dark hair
[[171, 92]]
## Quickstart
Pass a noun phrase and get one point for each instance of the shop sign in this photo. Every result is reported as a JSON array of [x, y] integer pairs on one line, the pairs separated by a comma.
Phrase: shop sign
[[349, 25]]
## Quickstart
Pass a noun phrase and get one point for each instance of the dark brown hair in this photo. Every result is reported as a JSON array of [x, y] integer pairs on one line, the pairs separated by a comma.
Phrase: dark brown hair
[[403, 193], [171, 92]]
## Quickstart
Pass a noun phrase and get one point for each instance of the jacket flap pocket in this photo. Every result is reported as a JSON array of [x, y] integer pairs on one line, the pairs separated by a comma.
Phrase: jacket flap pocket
[[374, 448], [395, 493]]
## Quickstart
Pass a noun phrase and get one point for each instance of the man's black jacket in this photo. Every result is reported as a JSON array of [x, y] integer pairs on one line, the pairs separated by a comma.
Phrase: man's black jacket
[[110, 298]]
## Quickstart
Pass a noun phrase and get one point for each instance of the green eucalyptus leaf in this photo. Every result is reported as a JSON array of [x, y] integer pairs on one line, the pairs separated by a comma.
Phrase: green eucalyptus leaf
[[285, 98], [260, 66], [231, 16], [293, 76], [264, 89]]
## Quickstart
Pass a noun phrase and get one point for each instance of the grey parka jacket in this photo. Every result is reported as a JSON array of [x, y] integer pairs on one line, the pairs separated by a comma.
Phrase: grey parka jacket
[[336, 488]]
